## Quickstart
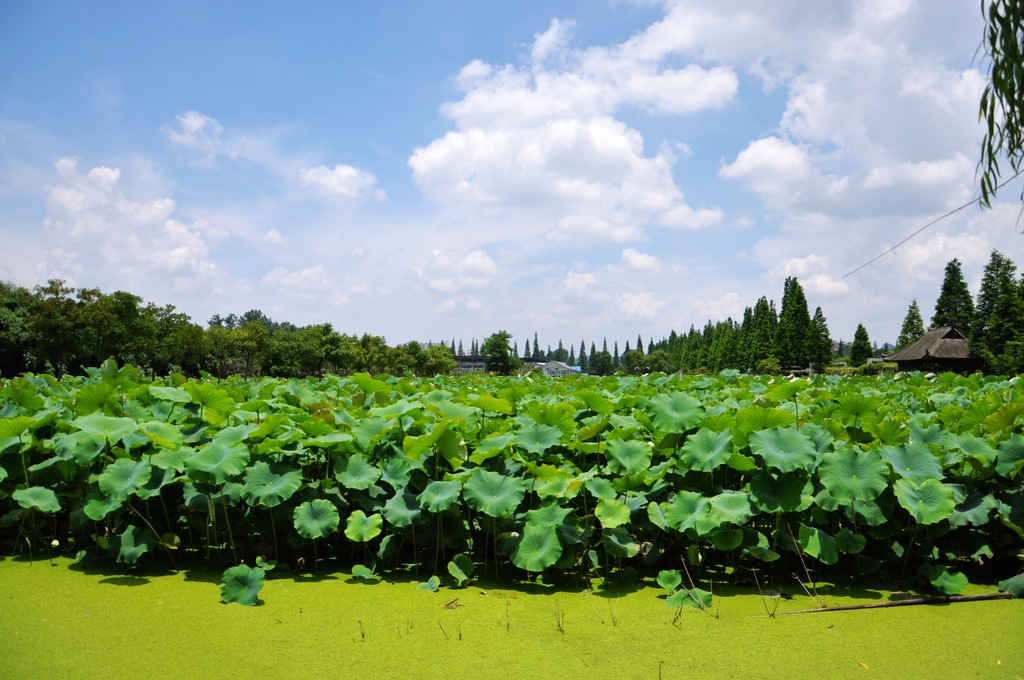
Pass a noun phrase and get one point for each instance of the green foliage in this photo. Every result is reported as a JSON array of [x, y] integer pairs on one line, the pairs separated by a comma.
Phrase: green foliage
[[860, 350], [242, 584], [913, 326], [954, 306], [1000, 109]]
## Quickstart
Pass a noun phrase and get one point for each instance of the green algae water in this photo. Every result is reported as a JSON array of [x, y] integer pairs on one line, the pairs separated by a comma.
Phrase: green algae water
[[61, 622]]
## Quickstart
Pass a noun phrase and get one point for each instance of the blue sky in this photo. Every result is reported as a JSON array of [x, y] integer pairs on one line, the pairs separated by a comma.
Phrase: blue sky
[[424, 171]]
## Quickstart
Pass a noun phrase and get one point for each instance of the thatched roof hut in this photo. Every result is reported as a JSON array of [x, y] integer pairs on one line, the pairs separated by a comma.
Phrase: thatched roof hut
[[938, 350]]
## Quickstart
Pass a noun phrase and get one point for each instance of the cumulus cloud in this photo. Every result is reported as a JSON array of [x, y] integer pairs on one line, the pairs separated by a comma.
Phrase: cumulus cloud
[[342, 182], [97, 228], [450, 272], [634, 260], [199, 132], [644, 305]]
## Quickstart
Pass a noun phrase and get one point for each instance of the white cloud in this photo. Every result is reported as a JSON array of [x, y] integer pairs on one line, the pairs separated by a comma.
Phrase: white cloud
[[634, 260], [729, 305], [577, 282], [198, 132], [644, 305], [342, 182], [274, 238], [309, 280]]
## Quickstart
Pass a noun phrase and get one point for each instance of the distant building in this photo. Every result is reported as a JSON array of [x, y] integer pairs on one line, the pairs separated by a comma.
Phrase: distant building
[[939, 350], [556, 369]]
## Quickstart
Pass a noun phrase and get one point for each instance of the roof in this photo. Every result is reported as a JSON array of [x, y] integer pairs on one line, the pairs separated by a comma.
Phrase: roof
[[938, 343]]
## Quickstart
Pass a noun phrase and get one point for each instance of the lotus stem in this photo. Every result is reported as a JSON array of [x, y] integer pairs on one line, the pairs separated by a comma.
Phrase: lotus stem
[[231, 537]]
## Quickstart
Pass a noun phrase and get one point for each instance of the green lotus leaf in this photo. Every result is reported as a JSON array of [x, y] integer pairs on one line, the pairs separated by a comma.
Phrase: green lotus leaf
[[551, 515], [493, 494], [675, 412], [171, 460], [470, 415], [656, 514], [728, 507], [784, 448], [97, 506], [912, 461], [491, 404], [162, 434], [611, 513], [112, 429], [537, 438], [91, 398], [431, 584], [158, 479], [452, 448], [977, 449], [852, 475], [229, 436], [361, 572], [628, 456], [396, 472], [849, 542], [124, 477], [15, 427], [270, 485], [596, 402], [362, 529], [3, 474], [683, 511], [818, 544], [37, 497], [215, 462], [706, 449], [757, 418], [945, 580], [727, 539], [669, 579], [316, 518], [925, 433], [214, 402], [356, 472], [242, 584], [853, 408], [438, 496], [538, 549], [1005, 417], [974, 510], [928, 503], [599, 487], [133, 543], [783, 492], [172, 394], [402, 509], [692, 597], [1010, 458], [491, 446], [619, 543], [1013, 585], [461, 568]]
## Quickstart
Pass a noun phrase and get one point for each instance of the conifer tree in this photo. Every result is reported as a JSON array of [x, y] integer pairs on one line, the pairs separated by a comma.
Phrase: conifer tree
[[860, 350], [639, 344], [536, 347], [794, 321], [526, 352], [913, 326], [955, 307], [998, 331], [615, 355], [819, 343], [583, 357]]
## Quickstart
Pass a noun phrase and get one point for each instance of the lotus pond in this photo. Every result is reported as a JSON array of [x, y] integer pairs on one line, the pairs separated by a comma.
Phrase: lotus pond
[[62, 621], [388, 491]]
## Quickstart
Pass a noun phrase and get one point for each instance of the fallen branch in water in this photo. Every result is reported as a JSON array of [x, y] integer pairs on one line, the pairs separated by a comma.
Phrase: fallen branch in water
[[942, 599]]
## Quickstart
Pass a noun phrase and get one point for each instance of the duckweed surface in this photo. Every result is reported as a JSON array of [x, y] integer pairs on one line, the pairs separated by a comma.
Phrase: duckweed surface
[[59, 622]]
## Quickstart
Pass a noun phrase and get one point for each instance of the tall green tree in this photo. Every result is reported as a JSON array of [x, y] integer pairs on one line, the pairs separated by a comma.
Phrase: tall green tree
[[860, 350], [761, 340], [819, 342], [913, 326], [15, 338], [955, 307], [601, 363], [998, 329], [794, 320], [497, 353]]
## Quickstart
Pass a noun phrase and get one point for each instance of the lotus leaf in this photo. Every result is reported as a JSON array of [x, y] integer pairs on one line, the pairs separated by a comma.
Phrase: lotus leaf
[[3, 474], [756, 418], [947, 581], [215, 462], [242, 584], [402, 509], [361, 572], [706, 449], [675, 412], [214, 402], [91, 398], [692, 597], [270, 485], [852, 475], [669, 579], [728, 507], [15, 427], [40, 498], [438, 496], [537, 438], [133, 543], [124, 477], [1013, 585], [628, 456], [849, 542], [928, 503], [727, 539], [783, 492], [818, 544], [599, 487], [356, 472], [162, 434], [171, 460], [611, 513], [431, 584], [461, 568], [1010, 458], [97, 506], [619, 543], [656, 514], [538, 549], [683, 511], [491, 446], [158, 479], [784, 448], [550, 515], [975, 510], [1005, 417], [112, 429], [853, 407], [493, 494], [912, 461], [316, 518], [172, 394], [362, 529]]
